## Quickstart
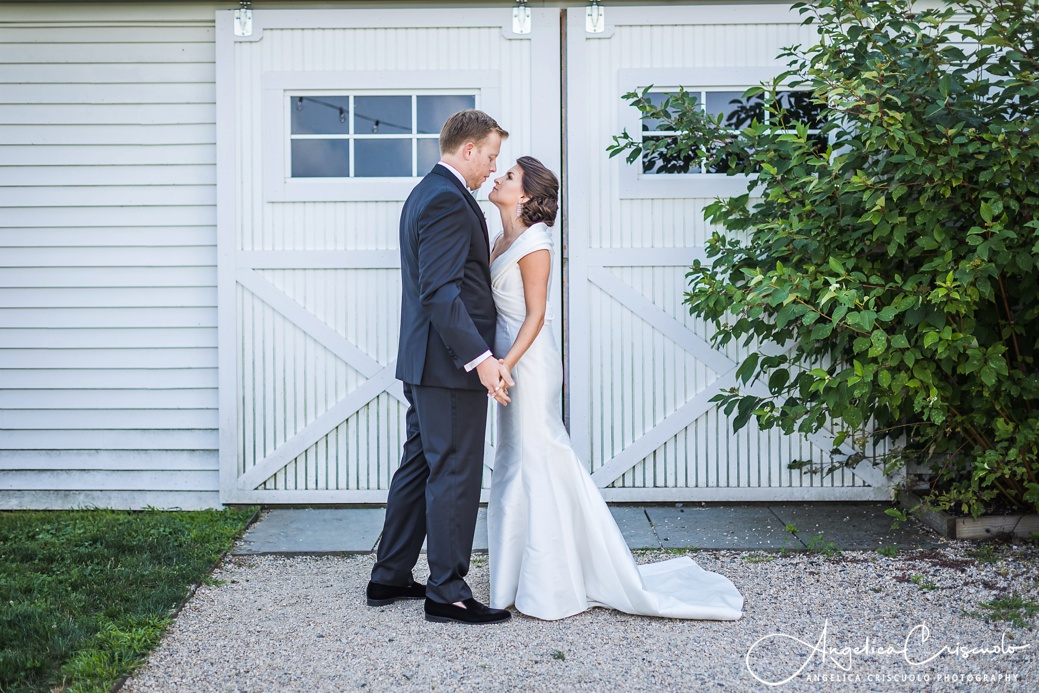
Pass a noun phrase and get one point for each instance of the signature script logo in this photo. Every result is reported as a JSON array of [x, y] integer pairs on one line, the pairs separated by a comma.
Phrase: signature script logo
[[841, 657]]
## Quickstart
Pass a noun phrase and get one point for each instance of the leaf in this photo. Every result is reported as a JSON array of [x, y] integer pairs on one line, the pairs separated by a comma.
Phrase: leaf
[[899, 341], [988, 376], [930, 338], [836, 266], [884, 378], [986, 211], [745, 410], [821, 331], [748, 368], [778, 380], [879, 340]]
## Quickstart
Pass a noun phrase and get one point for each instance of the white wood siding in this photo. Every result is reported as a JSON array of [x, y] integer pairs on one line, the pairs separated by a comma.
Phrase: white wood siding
[[108, 365]]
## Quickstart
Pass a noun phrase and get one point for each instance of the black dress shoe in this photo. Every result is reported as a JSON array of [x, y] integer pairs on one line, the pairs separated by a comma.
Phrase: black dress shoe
[[474, 612], [381, 595]]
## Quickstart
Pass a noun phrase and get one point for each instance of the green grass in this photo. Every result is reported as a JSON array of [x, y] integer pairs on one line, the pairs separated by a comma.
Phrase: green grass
[[984, 553], [758, 558], [1016, 610], [821, 545], [85, 594], [923, 582]]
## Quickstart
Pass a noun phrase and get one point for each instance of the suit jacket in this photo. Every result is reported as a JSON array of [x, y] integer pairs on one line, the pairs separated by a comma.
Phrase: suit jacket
[[447, 315]]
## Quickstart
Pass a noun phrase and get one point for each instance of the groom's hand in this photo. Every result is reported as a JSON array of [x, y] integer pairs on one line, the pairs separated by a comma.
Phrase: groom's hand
[[490, 376]]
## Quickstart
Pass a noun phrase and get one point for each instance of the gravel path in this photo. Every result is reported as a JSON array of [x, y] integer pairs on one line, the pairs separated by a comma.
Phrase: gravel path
[[301, 624]]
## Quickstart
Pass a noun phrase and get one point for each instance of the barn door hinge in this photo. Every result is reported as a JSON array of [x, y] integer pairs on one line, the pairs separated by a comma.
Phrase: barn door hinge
[[521, 18], [595, 18], [243, 20]]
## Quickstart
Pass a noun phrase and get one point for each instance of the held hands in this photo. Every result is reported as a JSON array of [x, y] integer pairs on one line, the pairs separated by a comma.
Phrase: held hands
[[506, 381], [495, 376]]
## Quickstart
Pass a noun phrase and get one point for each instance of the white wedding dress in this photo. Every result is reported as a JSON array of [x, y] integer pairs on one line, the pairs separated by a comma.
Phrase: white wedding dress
[[555, 549]]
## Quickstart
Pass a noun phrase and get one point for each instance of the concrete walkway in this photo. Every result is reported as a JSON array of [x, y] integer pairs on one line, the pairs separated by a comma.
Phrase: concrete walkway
[[744, 527]]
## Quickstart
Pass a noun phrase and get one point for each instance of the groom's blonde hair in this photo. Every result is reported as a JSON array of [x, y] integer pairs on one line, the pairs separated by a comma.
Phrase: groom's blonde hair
[[467, 126]]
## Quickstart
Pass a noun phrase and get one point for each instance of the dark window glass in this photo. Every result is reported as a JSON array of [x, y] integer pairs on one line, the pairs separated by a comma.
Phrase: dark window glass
[[797, 107], [664, 161], [320, 158], [737, 111], [320, 115], [382, 115], [433, 111], [656, 124], [428, 155], [377, 158], [723, 165], [820, 143]]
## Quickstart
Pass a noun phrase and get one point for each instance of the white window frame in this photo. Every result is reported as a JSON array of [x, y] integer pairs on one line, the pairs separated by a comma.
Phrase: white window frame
[[278, 87], [632, 182], [412, 137]]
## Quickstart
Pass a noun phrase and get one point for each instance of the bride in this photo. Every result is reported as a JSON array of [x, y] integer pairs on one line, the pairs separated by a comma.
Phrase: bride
[[554, 548]]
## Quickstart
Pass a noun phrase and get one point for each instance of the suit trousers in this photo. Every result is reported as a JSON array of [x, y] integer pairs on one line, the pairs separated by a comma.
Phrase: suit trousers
[[435, 493]]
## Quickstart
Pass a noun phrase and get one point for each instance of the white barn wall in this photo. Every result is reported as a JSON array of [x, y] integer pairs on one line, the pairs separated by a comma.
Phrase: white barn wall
[[108, 364], [108, 265]]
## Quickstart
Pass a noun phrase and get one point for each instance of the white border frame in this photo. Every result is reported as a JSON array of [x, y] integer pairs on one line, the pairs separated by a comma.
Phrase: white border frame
[[278, 184], [632, 183]]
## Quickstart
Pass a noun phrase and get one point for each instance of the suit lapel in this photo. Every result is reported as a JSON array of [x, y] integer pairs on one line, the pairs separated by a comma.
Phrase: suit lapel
[[471, 199]]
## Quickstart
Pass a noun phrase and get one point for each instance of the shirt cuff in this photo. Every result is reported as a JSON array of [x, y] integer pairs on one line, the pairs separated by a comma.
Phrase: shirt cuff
[[477, 361]]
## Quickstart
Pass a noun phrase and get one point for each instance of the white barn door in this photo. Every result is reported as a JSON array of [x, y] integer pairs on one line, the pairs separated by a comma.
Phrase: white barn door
[[641, 370], [326, 120]]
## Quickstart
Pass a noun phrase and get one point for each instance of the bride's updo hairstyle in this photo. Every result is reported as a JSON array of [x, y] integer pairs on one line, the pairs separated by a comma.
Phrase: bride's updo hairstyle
[[542, 187]]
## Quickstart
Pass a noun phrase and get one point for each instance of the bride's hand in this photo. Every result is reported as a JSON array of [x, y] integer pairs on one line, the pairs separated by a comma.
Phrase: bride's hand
[[506, 373]]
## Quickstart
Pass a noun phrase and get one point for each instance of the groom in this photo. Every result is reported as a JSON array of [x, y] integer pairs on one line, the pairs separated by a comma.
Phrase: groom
[[444, 359]]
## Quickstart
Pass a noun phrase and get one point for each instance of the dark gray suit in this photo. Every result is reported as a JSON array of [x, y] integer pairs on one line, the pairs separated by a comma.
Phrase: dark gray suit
[[447, 320]]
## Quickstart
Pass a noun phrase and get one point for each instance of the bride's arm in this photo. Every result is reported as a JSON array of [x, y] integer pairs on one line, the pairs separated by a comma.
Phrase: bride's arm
[[534, 269]]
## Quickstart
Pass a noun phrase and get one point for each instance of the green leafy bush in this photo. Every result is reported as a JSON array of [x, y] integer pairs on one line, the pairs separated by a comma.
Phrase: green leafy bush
[[891, 256]]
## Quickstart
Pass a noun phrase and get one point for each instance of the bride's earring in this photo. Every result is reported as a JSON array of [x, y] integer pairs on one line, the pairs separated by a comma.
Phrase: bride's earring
[[519, 209]]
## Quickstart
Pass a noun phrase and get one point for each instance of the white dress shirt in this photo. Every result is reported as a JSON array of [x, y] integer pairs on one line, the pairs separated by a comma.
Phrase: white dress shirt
[[487, 354]]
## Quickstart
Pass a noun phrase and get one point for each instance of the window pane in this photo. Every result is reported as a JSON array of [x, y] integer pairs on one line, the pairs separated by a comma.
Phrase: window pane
[[820, 143], [433, 111], [382, 158], [724, 167], [658, 98], [320, 158], [428, 155], [320, 115], [737, 111], [383, 115], [798, 107], [663, 161]]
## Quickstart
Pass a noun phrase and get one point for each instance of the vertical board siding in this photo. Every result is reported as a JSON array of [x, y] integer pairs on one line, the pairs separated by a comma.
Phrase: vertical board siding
[[648, 360], [108, 258]]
